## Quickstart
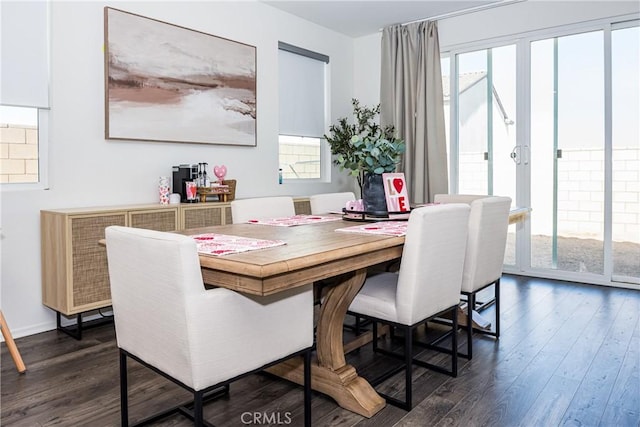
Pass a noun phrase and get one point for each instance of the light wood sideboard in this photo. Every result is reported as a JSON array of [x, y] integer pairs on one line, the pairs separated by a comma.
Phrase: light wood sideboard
[[75, 277], [204, 215]]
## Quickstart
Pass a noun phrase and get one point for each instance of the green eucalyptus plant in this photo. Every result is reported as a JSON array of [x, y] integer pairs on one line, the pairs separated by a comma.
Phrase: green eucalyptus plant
[[364, 147]]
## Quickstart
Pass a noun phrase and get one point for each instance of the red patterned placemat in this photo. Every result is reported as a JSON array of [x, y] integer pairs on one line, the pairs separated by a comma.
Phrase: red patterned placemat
[[390, 228], [290, 221], [223, 244]]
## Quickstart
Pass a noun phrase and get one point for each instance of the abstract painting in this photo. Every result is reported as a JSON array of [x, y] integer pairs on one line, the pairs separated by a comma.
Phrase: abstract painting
[[164, 82]]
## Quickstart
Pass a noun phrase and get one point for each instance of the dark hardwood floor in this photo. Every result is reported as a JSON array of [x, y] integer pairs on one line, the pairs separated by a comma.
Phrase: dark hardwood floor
[[569, 354]]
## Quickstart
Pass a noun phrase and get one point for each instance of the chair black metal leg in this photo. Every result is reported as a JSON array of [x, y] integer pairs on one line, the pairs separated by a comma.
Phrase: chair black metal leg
[[194, 409], [471, 302], [357, 325], [497, 297], [454, 343], [124, 403], [197, 409], [374, 327], [307, 388], [408, 356]]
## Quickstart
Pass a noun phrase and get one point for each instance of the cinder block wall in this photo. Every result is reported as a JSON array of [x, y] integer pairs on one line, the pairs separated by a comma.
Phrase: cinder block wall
[[580, 192], [302, 158], [18, 153]]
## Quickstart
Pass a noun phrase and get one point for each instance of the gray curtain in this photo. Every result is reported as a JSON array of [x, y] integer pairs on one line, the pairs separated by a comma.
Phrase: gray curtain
[[411, 100]]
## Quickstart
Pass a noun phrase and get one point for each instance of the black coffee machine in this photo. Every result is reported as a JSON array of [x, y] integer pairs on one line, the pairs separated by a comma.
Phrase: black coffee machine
[[182, 174]]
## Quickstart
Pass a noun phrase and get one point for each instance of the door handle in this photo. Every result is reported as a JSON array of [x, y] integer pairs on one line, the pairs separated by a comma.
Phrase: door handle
[[526, 154], [515, 154]]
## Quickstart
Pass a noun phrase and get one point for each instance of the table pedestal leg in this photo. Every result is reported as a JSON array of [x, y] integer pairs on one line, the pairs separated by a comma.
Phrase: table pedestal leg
[[331, 375]]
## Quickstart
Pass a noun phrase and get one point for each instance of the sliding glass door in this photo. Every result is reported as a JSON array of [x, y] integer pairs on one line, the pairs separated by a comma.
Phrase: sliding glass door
[[567, 153], [486, 129], [552, 122], [625, 141]]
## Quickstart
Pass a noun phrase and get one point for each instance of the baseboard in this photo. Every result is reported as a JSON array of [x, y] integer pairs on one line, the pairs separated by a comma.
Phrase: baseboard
[[32, 329], [50, 326]]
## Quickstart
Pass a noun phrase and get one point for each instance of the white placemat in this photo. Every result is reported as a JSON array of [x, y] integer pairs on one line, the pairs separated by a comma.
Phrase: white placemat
[[223, 244], [390, 228], [290, 221]]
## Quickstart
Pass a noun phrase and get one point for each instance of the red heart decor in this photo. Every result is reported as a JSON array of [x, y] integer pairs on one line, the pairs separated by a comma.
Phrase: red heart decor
[[397, 183]]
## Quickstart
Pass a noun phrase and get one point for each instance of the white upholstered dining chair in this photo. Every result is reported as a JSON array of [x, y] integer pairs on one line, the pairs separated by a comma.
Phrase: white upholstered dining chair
[[426, 286], [243, 210], [201, 339], [484, 258], [330, 202]]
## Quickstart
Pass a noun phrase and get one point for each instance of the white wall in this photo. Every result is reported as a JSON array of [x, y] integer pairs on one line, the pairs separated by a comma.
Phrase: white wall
[[366, 77], [87, 170]]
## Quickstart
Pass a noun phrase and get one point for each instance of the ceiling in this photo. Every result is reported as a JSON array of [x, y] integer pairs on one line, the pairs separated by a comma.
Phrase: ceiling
[[356, 18]]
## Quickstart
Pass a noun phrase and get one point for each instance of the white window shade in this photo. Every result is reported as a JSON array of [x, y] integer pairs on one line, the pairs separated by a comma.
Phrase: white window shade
[[24, 64], [302, 94]]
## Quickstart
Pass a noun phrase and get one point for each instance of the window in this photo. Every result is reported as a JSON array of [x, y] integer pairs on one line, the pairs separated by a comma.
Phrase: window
[[18, 145], [24, 91], [302, 90]]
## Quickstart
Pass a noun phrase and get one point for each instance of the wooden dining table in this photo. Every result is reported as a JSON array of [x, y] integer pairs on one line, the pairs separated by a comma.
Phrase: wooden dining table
[[312, 252]]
